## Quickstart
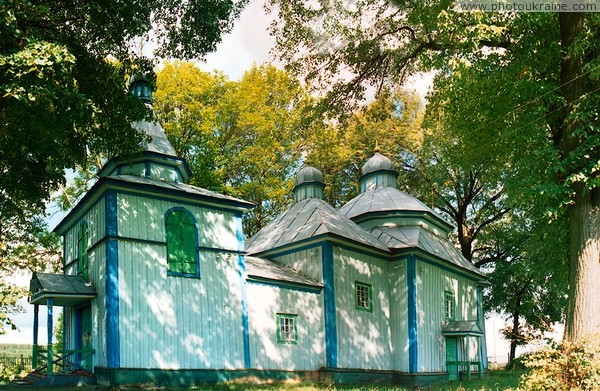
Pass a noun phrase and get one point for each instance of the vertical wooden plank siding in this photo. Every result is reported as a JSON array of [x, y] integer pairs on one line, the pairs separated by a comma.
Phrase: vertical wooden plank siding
[[142, 218], [306, 262], [399, 315], [172, 322], [432, 283], [264, 302], [364, 338], [96, 220]]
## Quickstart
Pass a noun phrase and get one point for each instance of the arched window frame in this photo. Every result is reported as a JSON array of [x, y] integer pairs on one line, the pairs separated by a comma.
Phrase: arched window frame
[[82, 250], [194, 270]]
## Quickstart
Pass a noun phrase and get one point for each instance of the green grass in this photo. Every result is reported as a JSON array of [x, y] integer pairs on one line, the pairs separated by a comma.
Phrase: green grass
[[493, 381]]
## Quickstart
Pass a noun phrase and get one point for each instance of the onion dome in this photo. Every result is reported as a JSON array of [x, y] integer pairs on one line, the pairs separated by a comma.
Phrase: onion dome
[[139, 86], [378, 172], [308, 184]]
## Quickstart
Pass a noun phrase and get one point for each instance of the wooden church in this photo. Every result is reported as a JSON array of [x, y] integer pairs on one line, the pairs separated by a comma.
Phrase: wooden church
[[160, 286]]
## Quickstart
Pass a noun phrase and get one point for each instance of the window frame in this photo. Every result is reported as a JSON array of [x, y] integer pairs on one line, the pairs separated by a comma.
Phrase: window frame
[[286, 316], [358, 295], [449, 298], [195, 258]]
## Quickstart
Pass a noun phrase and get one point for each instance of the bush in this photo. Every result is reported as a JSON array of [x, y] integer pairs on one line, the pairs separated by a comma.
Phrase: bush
[[565, 366], [8, 372]]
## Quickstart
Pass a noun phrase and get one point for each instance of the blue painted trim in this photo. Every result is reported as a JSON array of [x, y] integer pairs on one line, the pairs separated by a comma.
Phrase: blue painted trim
[[443, 264], [111, 213], [166, 216], [319, 240], [413, 347], [111, 305], [283, 284], [331, 342], [78, 327], [198, 200], [239, 230], [36, 322], [50, 320]]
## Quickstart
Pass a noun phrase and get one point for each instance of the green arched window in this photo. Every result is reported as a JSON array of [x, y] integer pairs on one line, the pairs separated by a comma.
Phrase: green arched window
[[182, 258], [82, 247]]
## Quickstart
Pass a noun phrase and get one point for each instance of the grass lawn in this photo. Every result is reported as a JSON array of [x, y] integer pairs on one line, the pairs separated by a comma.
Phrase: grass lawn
[[493, 381]]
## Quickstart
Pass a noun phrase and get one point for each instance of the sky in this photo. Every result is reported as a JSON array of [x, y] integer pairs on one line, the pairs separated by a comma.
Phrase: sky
[[249, 43]]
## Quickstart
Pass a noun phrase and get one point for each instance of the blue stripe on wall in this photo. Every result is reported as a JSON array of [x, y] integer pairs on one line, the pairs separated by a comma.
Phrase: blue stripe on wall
[[331, 343], [113, 354], [413, 347], [242, 271]]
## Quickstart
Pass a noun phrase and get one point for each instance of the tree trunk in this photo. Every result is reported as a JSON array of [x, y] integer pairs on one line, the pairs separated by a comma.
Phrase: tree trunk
[[515, 333], [583, 315]]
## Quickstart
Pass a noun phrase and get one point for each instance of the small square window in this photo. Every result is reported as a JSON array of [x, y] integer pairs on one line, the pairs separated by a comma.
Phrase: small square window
[[449, 305], [363, 297], [287, 331]]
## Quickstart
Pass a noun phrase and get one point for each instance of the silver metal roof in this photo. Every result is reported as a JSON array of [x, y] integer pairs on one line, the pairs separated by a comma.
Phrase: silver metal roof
[[378, 162], [306, 219], [181, 187], [386, 199], [271, 270], [462, 327], [64, 290], [414, 236], [159, 142]]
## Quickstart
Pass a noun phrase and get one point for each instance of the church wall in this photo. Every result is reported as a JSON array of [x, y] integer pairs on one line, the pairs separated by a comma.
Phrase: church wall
[[432, 283], [174, 322], [143, 218], [364, 337], [171, 322], [266, 352], [307, 262], [399, 315], [96, 222]]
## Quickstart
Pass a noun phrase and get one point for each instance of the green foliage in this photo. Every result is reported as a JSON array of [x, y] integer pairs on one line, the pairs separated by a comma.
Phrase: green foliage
[[392, 122], [240, 138], [8, 372], [565, 366]]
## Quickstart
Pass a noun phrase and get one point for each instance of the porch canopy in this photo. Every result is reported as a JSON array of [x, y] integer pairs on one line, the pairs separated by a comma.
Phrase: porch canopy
[[462, 328], [60, 290]]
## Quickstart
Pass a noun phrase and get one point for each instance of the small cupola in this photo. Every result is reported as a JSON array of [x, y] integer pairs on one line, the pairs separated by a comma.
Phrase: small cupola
[[309, 184], [139, 86], [378, 172]]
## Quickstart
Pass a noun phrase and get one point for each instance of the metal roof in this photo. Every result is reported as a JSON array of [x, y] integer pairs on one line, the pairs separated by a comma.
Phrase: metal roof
[[180, 187], [159, 142], [414, 236], [270, 270], [386, 199], [462, 328], [378, 162], [307, 219], [66, 291]]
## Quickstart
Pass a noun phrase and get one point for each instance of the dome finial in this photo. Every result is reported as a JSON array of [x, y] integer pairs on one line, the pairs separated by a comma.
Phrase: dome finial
[[377, 147]]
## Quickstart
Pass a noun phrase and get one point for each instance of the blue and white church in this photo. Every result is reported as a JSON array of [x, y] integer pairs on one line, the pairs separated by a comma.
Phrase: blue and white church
[[160, 286]]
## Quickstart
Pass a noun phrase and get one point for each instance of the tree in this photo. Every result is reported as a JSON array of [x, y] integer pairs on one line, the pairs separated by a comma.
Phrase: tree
[[64, 66], [542, 79], [392, 122], [63, 73], [241, 138]]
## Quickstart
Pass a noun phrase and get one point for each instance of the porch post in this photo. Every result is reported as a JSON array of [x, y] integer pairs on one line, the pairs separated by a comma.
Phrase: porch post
[[468, 358], [36, 317], [50, 325]]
